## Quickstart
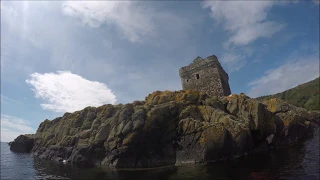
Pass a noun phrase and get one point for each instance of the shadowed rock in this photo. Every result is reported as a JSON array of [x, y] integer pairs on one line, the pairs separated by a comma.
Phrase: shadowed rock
[[22, 144]]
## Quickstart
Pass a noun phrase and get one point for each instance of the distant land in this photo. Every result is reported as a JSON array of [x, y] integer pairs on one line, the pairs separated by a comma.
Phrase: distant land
[[305, 95]]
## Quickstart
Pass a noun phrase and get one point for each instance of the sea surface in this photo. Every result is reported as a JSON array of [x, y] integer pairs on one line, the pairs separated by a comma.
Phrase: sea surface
[[299, 161]]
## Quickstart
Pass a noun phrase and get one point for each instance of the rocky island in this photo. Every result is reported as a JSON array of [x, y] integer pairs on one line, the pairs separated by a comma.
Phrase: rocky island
[[200, 124]]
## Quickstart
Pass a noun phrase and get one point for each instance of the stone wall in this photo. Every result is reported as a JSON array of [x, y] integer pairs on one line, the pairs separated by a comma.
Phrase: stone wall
[[206, 75]]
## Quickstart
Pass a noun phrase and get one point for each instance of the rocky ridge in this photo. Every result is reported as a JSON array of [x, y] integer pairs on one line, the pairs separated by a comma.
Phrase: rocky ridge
[[169, 128]]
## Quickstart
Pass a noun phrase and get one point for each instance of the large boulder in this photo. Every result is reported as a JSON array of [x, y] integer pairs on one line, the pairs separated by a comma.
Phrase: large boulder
[[22, 144]]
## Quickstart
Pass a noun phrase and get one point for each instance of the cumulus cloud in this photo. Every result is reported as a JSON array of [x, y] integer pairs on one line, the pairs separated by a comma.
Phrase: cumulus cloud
[[67, 92], [245, 20], [132, 20], [294, 72], [12, 127]]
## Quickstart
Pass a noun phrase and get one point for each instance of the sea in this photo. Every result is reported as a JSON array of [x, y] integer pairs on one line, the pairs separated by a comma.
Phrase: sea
[[298, 161]]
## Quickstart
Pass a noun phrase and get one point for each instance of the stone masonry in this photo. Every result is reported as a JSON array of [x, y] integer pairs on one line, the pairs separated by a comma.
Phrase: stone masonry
[[206, 75]]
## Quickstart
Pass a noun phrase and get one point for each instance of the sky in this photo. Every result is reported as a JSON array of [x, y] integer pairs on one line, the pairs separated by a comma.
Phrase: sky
[[63, 56]]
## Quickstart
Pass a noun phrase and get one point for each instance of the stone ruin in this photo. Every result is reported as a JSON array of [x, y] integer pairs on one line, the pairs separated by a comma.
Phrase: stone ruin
[[205, 75]]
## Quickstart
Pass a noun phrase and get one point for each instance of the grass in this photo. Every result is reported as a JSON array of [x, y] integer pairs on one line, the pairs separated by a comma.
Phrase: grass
[[305, 95]]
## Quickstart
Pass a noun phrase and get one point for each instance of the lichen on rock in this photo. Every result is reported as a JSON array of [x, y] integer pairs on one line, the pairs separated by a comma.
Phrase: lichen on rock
[[168, 128]]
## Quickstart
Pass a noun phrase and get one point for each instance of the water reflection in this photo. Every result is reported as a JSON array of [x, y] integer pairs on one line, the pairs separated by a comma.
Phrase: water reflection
[[15, 164], [50, 169]]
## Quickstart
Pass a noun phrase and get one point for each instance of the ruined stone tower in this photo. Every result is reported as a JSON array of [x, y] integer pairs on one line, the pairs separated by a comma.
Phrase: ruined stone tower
[[206, 75]]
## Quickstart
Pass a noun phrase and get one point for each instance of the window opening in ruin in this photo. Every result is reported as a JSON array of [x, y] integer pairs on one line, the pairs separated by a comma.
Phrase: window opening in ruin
[[197, 75], [187, 80]]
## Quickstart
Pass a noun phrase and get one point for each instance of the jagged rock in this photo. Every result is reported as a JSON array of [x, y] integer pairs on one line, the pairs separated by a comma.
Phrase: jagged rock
[[170, 128], [295, 122]]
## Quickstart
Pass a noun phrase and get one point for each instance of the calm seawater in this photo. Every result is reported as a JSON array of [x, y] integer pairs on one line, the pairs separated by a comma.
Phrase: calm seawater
[[299, 161]]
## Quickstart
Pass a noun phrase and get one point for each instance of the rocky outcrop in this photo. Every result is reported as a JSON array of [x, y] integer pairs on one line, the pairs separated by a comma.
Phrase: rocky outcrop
[[22, 144], [170, 128]]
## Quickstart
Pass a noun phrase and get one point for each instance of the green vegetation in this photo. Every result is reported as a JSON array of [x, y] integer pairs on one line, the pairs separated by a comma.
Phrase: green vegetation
[[305, 95]]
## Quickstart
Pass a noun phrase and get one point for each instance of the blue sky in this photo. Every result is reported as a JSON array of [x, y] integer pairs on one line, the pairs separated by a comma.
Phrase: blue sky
[[62, 56]]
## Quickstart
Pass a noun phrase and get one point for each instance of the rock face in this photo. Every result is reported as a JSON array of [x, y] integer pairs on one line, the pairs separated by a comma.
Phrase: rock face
[[22, 144], [170, 128]]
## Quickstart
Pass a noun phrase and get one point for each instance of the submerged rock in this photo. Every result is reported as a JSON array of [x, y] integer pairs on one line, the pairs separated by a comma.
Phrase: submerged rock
[[170, 128]]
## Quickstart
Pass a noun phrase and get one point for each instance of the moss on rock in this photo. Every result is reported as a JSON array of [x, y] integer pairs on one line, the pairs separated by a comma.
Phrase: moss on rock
[[169, 128]]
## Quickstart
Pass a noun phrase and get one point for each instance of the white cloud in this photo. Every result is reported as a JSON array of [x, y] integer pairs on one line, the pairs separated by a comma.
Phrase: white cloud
[[5, 99], [42, 45], [7, 12], [245, 20], [12, 127], [135, 21], [69, 92], [132, 20], [233, 61], [296, 71], [316, 2], [246, 35]]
